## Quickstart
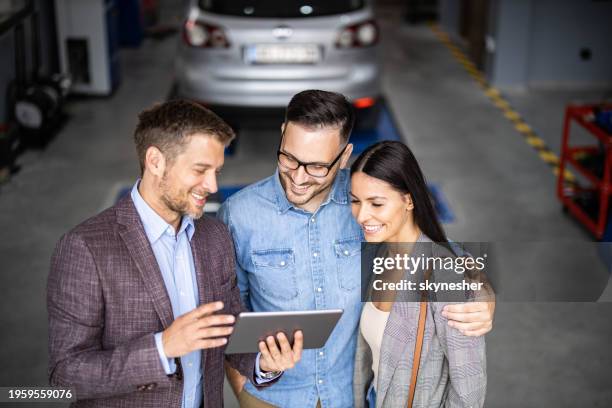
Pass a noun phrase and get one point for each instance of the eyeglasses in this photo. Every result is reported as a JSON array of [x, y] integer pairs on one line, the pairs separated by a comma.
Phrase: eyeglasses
[[313, 169]]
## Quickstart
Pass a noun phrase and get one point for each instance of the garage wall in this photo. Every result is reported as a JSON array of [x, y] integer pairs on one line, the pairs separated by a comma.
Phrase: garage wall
[[510, 27], [450, 12], [560, 30], [538, 43]]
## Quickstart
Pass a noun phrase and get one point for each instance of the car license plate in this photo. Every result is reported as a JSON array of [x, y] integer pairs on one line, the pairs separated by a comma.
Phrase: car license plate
[[282, 54]]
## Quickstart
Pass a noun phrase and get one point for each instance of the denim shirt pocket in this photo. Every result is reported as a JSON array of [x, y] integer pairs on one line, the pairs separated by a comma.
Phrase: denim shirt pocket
[[348, 262], [275, 272]]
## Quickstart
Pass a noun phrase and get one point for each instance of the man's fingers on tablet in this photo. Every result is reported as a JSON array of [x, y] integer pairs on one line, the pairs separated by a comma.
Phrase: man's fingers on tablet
[[287, 353], [298, 345], [284, 343], [265, 354], [271, 342]]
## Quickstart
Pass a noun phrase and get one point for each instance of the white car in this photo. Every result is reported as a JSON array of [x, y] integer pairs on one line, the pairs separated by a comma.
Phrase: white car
[[258, 54]]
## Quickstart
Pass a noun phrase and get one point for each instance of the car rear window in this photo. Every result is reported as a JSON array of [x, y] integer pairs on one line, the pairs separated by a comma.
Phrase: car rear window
[[280, 9]]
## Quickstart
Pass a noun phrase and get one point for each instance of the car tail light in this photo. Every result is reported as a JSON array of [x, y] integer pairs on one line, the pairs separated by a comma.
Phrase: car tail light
[[363, 103], [205, 35], [363, 34]]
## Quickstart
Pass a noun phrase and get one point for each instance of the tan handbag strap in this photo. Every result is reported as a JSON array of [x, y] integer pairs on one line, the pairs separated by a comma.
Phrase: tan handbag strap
[[418, 346]]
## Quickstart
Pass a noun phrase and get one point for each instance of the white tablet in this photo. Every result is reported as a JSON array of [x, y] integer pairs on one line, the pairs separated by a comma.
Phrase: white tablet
[[252, 327]]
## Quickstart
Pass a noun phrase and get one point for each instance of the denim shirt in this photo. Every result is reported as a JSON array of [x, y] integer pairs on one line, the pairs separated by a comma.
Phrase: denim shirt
[[290, 259]]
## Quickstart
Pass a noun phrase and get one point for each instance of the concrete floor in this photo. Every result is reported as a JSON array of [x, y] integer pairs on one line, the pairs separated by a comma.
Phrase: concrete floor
[[554, 354]]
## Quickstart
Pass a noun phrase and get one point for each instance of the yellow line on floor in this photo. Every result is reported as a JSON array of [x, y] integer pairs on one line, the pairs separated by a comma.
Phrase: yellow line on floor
[[567, 175], [549, 157], [535, 141], [491, 92], [512, 115], [521, 126], [502, 104]]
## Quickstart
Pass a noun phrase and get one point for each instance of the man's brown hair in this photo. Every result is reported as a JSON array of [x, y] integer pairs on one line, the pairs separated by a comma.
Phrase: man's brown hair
[[314, 108], [169, 125]]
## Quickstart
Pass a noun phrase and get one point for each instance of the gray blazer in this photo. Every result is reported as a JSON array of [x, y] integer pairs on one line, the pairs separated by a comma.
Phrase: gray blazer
[[452, 370]]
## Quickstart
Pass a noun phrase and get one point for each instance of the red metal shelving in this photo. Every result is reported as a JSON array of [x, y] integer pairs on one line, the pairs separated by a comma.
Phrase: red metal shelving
[[595, 216]]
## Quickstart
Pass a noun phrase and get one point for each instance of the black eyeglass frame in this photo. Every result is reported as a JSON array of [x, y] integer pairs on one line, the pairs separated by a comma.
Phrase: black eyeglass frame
[[300, 163]]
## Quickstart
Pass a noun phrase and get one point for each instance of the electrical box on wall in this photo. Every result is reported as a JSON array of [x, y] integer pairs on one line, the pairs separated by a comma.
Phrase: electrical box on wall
[[88, 46]]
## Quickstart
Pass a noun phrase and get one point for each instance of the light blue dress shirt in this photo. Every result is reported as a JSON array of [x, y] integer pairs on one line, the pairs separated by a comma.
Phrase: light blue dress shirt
[[290, 259], [173, 254], [175, 260]]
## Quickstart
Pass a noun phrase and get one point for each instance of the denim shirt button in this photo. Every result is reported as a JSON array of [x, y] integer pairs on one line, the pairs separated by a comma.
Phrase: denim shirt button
[[315, 254], [282, 263]]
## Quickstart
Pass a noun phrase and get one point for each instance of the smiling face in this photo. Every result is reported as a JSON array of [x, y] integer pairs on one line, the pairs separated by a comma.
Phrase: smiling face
[[181, 186], [384, 214], [318, 145]]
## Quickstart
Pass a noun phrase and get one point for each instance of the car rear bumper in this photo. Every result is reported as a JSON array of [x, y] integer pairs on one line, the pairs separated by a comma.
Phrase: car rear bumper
[[199, 82]]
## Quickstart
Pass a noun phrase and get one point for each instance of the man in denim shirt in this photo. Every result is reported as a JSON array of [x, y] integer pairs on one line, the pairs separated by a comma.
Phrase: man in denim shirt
[[298, 248]]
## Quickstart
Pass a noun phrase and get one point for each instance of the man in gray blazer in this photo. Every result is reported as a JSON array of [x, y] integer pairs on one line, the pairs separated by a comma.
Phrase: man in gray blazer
[[133, 293]]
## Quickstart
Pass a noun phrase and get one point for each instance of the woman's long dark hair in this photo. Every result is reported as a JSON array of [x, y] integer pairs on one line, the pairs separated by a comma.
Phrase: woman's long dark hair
[[394, 163]]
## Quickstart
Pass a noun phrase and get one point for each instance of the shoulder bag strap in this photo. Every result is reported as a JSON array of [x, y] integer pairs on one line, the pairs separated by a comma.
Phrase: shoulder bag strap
[[418, 346]]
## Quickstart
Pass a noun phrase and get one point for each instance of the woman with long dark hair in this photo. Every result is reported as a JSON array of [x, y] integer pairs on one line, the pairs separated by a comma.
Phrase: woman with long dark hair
[[406, 354]]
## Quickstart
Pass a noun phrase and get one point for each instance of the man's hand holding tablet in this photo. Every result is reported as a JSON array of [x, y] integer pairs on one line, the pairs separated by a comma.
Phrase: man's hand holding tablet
[[277, 354], [202, 329]]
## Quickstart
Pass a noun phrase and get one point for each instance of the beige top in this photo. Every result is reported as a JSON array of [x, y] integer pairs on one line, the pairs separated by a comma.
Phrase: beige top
[[372, 326]]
